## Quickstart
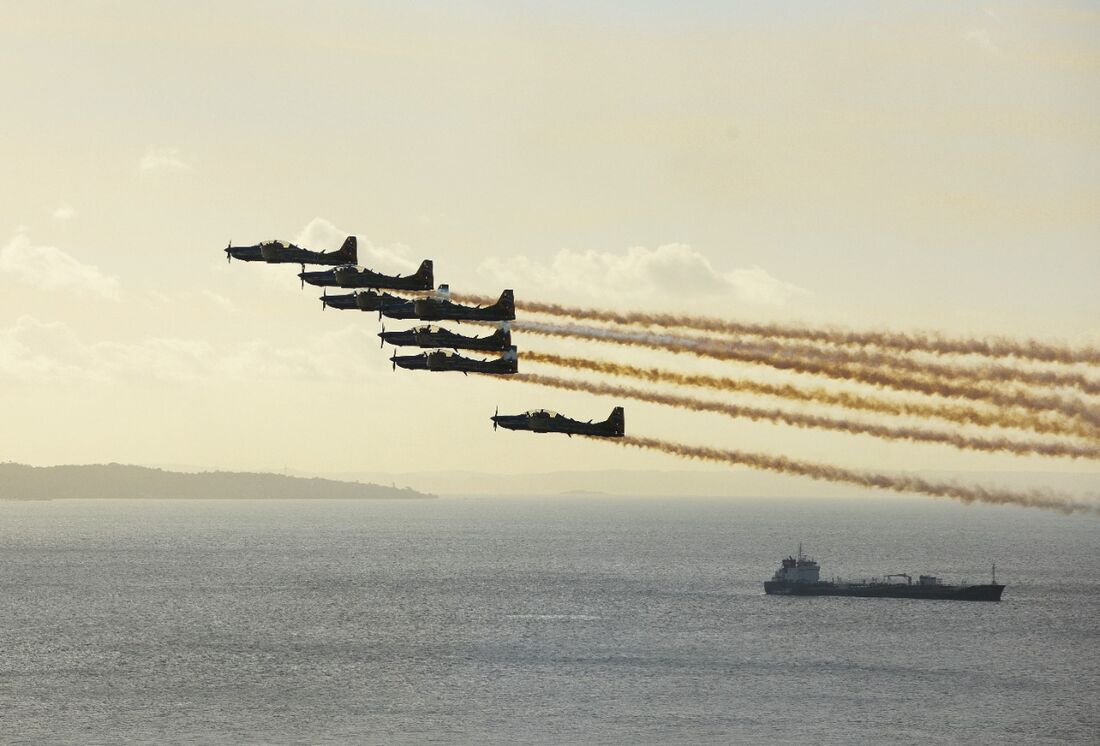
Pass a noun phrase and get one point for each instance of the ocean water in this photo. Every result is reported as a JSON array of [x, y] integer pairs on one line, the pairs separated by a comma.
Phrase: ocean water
[[561, 620]]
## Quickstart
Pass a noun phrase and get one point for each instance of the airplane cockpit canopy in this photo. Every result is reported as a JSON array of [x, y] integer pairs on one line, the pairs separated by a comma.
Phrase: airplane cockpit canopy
[[278, 242], [542, 413], [428, 329]]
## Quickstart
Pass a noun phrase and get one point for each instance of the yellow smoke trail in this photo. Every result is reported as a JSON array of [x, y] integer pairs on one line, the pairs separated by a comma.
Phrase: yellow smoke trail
[[899, 362], [1028, 349], [894, 482], [796, 419], [1000, 395], [952, 413]]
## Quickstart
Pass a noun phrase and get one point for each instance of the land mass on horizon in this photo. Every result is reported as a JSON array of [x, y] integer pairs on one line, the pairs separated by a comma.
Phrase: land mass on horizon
[[122, 481]]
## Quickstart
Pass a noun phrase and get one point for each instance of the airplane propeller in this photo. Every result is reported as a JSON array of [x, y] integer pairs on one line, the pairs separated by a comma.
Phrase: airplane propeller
[[393, 359], [324, 299], [495, 418], [382, 339], [228, 253]]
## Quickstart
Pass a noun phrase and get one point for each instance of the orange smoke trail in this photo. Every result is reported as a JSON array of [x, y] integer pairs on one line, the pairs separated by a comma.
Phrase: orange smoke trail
[[913, 434], [704, 347], [896, 483], [952, 413], [942, 371], [1028, 349]]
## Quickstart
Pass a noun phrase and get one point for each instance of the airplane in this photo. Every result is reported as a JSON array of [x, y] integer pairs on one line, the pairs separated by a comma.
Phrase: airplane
[[397, 308], [350, 276], [440, 360], [344, 302], [390, 305], [433, 336], [443, 309], [545, 421], [284, 252]]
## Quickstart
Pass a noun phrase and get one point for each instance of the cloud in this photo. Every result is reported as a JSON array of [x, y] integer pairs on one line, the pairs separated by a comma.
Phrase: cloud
[[668, 271], [322, 235], [163, 159], [63, 213], [984, 41], [220, 301], [32, 350], [50, 268]]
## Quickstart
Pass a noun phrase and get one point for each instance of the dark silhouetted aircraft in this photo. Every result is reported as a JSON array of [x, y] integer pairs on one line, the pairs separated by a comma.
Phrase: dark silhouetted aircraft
[[361, 277], [284, 252], [344, 301], [439, 360], [385, 304], [433, 336], [443, 309], [545, 421], [350, 276], [395, 307]]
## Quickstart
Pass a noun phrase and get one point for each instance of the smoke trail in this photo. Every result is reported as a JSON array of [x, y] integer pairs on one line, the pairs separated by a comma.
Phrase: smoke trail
[[952, 413], [1028, 349], [703, 347], [897, 483], [943, 371], [796, 419]]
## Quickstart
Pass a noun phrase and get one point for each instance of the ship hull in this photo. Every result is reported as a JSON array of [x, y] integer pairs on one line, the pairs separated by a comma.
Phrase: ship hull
[[988, 592]]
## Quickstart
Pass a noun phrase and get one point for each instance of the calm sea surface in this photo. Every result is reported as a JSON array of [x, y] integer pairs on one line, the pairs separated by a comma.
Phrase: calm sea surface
[[565, 620]]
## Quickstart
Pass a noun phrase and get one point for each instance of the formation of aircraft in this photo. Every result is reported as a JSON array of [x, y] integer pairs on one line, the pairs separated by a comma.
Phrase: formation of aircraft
[[545, 421], [443, 343]]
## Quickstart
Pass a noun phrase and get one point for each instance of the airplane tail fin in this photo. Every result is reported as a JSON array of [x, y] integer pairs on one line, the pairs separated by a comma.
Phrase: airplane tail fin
[[504, 334], [510, 354], [350, 250], [507, 303], [617, 421], [426, 273]]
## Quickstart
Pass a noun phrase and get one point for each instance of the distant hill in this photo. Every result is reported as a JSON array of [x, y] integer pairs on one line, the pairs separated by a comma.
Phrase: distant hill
[[735, 482], [97, 481]]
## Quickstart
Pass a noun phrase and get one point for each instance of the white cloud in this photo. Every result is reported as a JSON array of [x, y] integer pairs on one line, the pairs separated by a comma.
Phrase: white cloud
[[63, 213], [668, 271], [984, 41], [50, 268], [220, 301], [322, 235], [32, 350], [163, 159]]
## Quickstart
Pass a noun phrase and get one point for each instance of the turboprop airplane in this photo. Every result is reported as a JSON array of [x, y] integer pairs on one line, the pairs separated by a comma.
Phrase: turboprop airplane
[[433, 336], [443, 309], [440, 360], [350, 276], [395, 307], [284, 252], [545, 421]]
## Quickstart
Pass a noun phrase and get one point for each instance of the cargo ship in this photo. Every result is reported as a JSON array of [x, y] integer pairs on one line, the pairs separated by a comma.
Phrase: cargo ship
[[800, 576]]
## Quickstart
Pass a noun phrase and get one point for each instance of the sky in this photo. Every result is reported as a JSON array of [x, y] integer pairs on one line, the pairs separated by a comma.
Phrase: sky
[[912, 165]]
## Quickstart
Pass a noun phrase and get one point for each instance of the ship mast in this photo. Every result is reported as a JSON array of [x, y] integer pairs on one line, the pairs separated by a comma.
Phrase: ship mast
[[994, 573]]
